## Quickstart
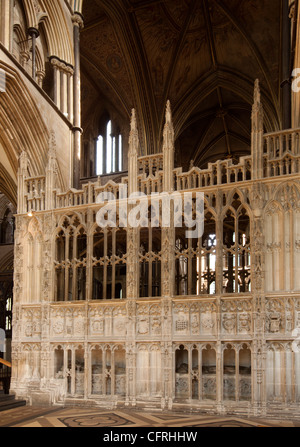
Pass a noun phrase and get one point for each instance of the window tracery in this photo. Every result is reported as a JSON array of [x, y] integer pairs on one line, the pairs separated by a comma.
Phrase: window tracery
[[109, 264], [236, 248], [71, 262]]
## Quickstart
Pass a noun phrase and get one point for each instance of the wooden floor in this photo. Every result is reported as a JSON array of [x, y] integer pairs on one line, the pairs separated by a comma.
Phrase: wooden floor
[[76, 417]]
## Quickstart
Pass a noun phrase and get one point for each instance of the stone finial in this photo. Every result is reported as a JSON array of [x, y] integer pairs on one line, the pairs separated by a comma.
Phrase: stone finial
[[52, 152], [257, 142], [257, 109], [134, 137], [133, 123], [52, 144], [169, 129], [133, 154], [257, 95], [168, 150], [23, 161], [168, 113], [52, 161]]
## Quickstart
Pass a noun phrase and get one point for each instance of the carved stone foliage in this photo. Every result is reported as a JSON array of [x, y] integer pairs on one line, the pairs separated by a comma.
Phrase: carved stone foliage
[[257, 197], [18, 271], [288, 196], [47, 272]]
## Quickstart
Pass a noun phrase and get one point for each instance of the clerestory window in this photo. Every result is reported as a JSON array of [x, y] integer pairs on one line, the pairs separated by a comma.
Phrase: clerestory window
[[109, 151]]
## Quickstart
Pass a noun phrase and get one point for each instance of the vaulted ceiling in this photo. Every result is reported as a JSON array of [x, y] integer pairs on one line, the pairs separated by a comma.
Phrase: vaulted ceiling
[[202, 55]]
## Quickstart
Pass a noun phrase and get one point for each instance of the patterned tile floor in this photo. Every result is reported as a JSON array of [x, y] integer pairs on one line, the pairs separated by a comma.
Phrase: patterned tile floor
[[127, 419]]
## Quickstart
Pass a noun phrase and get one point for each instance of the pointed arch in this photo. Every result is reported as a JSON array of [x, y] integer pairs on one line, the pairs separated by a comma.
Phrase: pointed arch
[[229, 80]]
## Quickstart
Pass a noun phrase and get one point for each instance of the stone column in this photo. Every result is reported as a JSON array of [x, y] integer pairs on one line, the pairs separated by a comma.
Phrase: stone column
[[51, 173], [73, 371], [6, 10], [56, 81], [219, 376], [40, 74], [89, 262], [237, 373], [168, 151], [286, 66], [219, 244], [132, 283], [22, 175], [112, 374], [258, 277], [219, 358], [64, 92], [34, 34], [77, 131], [70, 73], [132, 233], [87, 369], [168, 259]]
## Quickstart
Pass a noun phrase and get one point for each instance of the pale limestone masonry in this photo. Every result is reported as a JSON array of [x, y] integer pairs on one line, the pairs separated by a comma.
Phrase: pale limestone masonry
[[209, 324]]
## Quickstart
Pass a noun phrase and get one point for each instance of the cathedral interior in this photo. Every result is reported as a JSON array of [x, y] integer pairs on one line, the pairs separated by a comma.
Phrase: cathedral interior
[[171, 99]]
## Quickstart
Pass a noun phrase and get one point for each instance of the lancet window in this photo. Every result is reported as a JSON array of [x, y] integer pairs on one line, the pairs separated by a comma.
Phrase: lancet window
[[109, 150]]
